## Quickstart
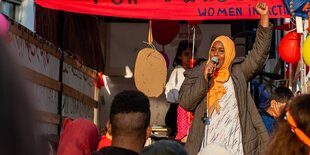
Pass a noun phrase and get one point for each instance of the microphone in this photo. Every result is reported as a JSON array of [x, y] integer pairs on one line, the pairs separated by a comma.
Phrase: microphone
[[215, 61]]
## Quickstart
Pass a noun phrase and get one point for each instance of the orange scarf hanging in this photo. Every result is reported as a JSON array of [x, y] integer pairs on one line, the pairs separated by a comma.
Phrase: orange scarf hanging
[[221, 75]]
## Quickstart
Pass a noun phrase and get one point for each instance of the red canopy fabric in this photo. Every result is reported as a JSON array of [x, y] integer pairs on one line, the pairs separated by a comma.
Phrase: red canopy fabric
[[169, 9]]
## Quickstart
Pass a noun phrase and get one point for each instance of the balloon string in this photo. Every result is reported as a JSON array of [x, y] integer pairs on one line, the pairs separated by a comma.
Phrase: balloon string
[[151, 45], [294, 29], [188, 34], [194, 38]]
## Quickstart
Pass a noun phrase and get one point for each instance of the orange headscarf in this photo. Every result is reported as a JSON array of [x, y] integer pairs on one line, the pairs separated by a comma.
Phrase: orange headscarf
[[299, 133], [221, 75]]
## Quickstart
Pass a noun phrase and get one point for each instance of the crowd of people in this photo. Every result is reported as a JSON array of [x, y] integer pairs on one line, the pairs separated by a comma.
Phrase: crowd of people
[[211, 110]]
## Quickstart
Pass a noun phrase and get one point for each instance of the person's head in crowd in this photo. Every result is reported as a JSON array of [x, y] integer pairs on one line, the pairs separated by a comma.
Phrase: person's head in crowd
[[130, 120], [4, 27], [279, 100], [106, 138], [164, 147], [292, 136], [17, 135], [298, 92], [79, 137], [215, 149], [183, 55]]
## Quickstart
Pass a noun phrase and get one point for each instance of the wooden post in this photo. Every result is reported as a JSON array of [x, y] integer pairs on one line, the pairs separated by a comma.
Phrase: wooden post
[[290, 76], [96, 109], [303, 86]]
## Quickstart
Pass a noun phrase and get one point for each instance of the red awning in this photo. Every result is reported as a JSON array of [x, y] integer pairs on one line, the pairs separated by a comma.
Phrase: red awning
[[169, 9]]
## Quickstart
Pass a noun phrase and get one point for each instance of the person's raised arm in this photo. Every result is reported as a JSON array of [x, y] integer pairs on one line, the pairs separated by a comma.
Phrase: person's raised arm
[[257, 57], [262, 9]]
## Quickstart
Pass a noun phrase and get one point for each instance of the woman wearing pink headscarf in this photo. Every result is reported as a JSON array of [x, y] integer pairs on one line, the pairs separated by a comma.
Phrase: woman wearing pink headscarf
[[4, 27], [79, 137]]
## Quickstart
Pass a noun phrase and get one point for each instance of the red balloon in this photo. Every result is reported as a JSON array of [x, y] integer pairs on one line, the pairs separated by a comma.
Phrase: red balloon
[[307, 69], [194, 22], [289, 47], [164, 31]]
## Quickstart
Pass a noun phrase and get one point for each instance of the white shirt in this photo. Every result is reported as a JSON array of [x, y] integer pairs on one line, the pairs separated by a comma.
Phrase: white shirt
[[224, 127], [174, 84]]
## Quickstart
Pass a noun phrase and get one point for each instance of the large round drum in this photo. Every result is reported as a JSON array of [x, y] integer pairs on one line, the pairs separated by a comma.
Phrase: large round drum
[[150, 72]]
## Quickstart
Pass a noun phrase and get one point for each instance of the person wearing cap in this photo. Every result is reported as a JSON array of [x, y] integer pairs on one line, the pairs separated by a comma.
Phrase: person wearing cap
[[216, 91]]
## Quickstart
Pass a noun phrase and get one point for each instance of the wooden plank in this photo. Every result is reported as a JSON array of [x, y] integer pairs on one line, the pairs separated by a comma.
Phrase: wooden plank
[[48, 117], [82, 68], [41, 43], [15, 30], [69, 91], [34, 39], [52, 51], [41, 79]]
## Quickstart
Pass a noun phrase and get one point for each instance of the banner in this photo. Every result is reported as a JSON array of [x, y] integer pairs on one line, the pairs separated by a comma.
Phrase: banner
[[169, 9]]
